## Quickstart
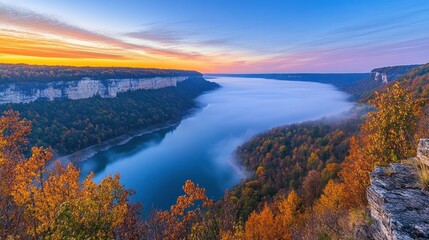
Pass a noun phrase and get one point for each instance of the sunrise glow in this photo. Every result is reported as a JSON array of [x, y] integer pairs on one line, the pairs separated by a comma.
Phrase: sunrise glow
[[232, 37]]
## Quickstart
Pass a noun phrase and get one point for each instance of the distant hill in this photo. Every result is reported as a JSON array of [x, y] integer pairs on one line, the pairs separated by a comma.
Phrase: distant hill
[[340, 80], [376, 79], [417, 80], [13, 73], [359, 85]]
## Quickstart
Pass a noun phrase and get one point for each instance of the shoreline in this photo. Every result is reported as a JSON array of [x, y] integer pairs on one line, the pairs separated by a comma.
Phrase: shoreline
[[88, 152]]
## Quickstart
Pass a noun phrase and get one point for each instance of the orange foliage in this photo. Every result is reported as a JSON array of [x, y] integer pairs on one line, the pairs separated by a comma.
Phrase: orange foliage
[[262, 226], [386, 136], [277, 223], [177, 223], [42, 202], [332, 198]]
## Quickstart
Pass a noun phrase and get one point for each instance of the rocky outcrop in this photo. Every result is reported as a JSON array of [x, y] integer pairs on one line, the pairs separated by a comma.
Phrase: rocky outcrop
[[380, 76], [85, 88], [388, 74], [399, 208], [423, 151]]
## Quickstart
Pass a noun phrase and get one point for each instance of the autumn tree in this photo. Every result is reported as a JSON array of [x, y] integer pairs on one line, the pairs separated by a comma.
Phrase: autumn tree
[[177, 223], [13, 142], [262, 225], [391, 128], [290, 214], [386, 136], [276, 221], [40, 201], [312, 187]]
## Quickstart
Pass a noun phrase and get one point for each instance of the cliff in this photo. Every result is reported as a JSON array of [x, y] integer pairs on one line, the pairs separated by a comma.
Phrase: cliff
[[80, 89], [399, 208]]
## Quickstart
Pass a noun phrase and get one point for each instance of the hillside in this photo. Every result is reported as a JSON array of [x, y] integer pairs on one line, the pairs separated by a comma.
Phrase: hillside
[[69, 125], [416, 80], [16, 73], [378, 77], [319, 171]]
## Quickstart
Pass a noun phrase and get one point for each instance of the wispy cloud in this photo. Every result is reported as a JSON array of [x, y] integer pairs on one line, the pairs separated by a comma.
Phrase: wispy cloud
[[157, 35], [37, 23], [356, 45]]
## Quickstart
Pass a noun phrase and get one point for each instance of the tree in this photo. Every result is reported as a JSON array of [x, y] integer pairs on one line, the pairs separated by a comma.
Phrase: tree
[[13, 133], [312, 187], [277, 223], [386, 136], [262, 226], [177, 223], [40, 202], [390, 130]]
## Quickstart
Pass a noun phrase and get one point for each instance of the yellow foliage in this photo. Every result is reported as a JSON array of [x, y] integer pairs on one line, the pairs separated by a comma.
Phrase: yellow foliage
[[178, 221], [277, 224], [50, 202], [332, 198]]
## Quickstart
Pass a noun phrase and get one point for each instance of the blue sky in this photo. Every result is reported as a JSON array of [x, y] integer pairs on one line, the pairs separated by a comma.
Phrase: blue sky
[[228, 36]]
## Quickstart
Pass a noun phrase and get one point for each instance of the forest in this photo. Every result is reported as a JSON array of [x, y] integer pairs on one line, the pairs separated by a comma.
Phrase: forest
[[308, 181], [16, 73], [70, 125]]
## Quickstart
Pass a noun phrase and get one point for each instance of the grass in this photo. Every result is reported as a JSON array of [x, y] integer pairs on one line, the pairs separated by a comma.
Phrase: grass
[[388, 171], [423, 172]]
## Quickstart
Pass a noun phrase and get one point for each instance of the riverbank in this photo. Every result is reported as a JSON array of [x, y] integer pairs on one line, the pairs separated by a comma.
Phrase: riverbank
[[88, 152]]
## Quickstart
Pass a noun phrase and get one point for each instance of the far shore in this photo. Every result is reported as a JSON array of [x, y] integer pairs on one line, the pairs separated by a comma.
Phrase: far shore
[[90, 151]]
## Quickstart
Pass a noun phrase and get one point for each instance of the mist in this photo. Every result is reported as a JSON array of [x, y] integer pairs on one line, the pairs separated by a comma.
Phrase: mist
[[201, 148]]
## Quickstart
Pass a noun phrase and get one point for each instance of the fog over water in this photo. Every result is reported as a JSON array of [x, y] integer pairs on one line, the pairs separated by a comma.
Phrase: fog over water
[[201, 147]]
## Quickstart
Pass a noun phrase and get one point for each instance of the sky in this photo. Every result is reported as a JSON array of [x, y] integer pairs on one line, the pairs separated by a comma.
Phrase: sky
[[217, 36]]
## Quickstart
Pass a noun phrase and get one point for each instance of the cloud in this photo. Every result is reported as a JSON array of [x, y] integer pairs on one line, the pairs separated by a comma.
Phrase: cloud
[[157, 35], [34, 22], [49, 49], [163, 34]]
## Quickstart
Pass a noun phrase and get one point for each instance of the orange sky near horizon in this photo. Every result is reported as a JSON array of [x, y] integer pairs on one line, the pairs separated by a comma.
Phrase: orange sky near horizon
[[29, 48], [31, 38]]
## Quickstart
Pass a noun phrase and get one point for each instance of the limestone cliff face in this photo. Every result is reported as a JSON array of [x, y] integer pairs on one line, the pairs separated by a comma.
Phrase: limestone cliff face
[[388, 74], [85, 88], [378, 76], [399, 208]]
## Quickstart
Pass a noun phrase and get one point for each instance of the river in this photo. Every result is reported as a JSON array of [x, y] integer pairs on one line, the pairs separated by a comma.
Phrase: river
[[201, 148]]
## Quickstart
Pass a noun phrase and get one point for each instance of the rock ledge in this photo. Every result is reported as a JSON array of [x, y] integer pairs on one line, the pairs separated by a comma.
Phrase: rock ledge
[[399, 208]]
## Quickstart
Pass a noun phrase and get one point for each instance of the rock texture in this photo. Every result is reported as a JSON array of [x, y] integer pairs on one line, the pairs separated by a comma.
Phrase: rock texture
[[423, 151], [399, 208], [85, 88]]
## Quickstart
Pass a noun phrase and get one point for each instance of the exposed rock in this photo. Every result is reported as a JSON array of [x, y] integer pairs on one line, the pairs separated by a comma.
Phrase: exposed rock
[[85, 88], [423, 151], [382, 75], [399, 208]]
